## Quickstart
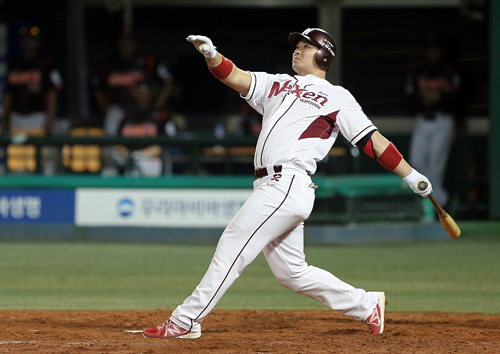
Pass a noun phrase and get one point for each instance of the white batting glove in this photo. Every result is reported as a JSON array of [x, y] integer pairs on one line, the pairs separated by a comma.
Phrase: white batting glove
[[204, 45], [414, 179]]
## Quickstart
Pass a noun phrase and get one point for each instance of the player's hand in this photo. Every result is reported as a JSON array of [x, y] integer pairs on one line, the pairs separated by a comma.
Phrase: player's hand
[[204, 45], [413, 180]]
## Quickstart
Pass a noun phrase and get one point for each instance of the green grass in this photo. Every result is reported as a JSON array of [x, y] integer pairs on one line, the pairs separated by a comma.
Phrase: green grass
[[460, 275]]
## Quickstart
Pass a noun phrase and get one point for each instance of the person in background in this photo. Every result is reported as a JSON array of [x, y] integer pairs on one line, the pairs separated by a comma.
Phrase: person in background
[[30, 102], [113, 86], [250, 121], [437, 94], [30, 95], [142, 120]]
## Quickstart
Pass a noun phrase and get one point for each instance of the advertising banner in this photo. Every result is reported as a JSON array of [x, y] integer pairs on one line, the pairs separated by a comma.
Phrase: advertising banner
[[158, 207], [37, 206]]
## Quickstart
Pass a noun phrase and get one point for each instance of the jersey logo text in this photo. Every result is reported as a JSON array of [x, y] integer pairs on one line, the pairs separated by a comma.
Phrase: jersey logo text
[[30, 78], [305, 96]]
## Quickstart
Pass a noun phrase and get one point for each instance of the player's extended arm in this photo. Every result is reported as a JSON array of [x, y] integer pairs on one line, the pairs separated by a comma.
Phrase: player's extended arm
[[378, 147], [222, 68]]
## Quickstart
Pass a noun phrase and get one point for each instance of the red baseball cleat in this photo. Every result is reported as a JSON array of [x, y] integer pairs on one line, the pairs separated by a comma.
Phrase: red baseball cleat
[[376, 320], [168, 329]]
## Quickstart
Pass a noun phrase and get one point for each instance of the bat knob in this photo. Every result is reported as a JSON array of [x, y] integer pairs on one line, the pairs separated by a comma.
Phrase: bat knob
[[422, 185]]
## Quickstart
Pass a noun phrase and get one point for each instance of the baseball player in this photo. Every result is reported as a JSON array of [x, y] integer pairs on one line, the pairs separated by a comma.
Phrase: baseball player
[[114, 85], [30, 97], [438, 93], [302, 116]]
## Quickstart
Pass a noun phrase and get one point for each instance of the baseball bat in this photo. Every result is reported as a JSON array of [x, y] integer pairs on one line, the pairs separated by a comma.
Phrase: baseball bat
[[447, 221]]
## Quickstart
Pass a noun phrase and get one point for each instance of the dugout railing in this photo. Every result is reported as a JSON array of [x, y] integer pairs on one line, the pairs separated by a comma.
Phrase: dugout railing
[[198, 148], [192, 143]]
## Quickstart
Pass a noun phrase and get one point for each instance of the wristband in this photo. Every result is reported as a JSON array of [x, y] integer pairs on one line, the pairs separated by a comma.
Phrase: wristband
[[390, 158], [412, 176], [222, 70]]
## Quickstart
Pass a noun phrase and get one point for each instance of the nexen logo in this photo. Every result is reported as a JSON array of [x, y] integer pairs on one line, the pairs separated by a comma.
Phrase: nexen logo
[[300, 93], [125, 207]]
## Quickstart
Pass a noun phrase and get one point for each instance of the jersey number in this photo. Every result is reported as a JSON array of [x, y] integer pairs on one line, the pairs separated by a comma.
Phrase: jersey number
[[276, 177]]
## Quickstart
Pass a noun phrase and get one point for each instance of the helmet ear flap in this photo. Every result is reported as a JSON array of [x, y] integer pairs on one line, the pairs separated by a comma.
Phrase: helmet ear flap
[[320, 60]]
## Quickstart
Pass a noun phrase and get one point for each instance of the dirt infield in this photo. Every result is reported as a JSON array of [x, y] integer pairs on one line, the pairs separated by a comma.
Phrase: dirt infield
[[307, 331]]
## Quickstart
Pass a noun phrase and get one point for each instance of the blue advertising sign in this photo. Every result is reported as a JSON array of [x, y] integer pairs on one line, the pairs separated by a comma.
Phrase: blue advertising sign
[[37, 206]]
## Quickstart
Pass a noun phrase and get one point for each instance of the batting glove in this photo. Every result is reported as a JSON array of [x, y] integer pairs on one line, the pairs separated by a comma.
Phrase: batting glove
[[414, 179], [204, 45]]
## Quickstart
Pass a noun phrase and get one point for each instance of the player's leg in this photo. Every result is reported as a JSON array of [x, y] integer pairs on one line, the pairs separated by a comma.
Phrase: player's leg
[[113, 119], [113, 162], [36, 122], [273, 208], [419, 145], [440, 142], [17, 121], [286, 258]]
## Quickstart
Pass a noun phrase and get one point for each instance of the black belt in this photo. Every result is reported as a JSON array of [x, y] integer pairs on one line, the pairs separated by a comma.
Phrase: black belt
[[262, 172]]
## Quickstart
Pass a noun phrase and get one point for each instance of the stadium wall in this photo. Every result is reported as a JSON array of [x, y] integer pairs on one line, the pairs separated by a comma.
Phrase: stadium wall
[[180, 209]]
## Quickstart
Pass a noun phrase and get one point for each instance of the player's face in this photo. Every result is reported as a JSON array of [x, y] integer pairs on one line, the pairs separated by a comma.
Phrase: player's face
[[303, 62]]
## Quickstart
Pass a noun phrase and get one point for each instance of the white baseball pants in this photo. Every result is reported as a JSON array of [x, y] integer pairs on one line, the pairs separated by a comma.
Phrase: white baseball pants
[[271, 220], [430, 147], [27, 122]]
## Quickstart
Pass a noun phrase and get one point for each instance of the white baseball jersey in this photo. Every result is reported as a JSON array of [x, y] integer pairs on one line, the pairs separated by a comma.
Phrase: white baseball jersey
[[302, 116]]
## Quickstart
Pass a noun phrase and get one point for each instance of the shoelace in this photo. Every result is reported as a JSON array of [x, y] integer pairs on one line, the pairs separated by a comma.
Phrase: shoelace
[[163, 325]]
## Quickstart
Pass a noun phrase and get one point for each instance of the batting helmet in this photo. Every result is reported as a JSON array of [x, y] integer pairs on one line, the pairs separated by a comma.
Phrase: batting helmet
[[320, 38]]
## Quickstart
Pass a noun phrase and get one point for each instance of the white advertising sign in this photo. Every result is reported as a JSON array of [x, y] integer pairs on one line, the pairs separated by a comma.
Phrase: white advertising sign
[[158, 207]]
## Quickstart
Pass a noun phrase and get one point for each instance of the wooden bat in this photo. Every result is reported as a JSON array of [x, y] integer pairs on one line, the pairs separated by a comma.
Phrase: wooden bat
[[449, 224]]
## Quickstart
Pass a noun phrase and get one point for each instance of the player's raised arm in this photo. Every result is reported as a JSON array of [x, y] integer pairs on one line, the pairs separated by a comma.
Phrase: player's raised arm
[[222, 68], [378, 147]]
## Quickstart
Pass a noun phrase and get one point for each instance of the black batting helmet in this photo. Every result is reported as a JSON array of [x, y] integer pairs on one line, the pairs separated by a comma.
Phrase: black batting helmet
[[321, 39]]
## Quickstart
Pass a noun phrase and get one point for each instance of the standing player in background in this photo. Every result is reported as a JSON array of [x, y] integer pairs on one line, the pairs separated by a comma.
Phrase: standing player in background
[[30, 96], [436, 90], [302, 116], [114, 85]]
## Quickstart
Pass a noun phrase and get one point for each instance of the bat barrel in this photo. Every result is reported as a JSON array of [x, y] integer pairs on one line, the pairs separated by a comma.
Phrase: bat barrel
[[447, 221]]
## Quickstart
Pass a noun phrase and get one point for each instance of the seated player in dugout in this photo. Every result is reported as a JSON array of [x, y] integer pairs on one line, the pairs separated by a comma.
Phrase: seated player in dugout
[[143, 120], [113, 83], [302, 116]]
